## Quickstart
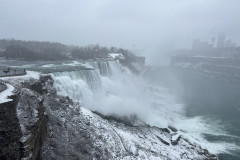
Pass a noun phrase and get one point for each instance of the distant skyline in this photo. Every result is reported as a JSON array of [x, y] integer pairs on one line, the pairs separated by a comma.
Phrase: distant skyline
[[153, 27]]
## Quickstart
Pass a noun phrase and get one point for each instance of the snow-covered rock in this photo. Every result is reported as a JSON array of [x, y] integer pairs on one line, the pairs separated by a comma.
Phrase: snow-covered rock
[[78, 133], [55, 127], [4, 95]]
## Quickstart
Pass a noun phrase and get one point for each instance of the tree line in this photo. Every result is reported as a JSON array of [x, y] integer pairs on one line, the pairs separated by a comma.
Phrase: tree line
[[35, 50]]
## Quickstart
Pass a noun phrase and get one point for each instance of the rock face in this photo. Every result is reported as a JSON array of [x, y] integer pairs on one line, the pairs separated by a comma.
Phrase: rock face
[[46, 126], [23, 122], [81, 134], [2, 86], [77, 133], [33, 122], [10, 132]]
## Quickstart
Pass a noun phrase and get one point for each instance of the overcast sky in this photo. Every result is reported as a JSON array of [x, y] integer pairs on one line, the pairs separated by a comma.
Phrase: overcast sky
[[152, 26]]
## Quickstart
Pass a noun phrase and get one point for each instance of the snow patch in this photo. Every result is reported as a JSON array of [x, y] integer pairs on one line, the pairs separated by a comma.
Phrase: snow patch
[[30, 74], [116, 55], [6, 93]]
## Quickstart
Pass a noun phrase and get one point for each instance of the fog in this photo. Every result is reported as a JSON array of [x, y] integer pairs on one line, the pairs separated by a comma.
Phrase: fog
[[197, 94], [150, 28]]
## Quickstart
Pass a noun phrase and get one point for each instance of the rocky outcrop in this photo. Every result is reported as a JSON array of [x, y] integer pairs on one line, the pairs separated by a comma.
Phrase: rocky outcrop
[[78, 133], [23, 122], [33, 122], [44, 125]]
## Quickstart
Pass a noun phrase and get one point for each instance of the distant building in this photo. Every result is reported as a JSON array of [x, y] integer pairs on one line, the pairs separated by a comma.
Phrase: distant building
[[221, 40], [198, 44], [230, 44], [213, 41]]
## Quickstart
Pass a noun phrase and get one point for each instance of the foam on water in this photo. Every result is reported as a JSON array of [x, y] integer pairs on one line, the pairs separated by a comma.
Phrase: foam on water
[[165, 110]]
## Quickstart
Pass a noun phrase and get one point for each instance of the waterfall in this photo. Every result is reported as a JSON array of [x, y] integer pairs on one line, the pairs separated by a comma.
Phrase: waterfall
[[109, 88], [106, 68], [86, 85], [78, 85], [90, 77], [114, 67]]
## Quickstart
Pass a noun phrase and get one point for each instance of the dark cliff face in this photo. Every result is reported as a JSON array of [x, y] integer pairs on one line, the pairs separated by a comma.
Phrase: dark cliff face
[[33, 122], [10, 132], [23, 122]]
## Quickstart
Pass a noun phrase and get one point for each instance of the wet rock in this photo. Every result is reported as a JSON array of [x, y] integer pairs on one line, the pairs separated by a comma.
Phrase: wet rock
[[172, 128], [175, 138], [36, 86], [45, 78], [163, 141], [165, 130], [184, 131]]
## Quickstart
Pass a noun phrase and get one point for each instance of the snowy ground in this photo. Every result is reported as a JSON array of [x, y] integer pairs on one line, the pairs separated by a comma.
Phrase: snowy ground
[[6, 93], [141, 142], [15, 79], [30, 74]]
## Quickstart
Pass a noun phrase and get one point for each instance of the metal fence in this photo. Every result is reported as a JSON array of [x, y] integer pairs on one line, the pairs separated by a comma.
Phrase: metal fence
[[6, 72]]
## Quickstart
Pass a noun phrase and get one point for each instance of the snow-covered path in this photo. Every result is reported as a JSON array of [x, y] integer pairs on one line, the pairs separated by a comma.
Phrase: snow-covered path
[[30, 74], [15, 80], [6, 93]]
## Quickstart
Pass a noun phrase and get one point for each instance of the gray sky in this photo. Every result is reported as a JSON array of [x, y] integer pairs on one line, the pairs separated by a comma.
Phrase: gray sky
[[152, 26]]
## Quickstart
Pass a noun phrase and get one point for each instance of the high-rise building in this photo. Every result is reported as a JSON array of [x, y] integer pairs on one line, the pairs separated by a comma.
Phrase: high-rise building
[[198, 44], [230, 44], [213, 41], [221, 40]]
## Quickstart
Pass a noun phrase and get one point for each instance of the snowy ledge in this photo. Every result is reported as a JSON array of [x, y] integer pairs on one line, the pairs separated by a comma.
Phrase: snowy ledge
[[142, 142], [30, 74], [6, 93]]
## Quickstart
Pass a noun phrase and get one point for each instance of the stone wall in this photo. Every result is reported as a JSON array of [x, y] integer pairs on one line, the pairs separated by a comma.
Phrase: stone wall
[[10, 132]]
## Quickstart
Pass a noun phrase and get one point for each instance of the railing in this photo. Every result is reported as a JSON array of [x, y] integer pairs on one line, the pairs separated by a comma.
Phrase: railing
[[6, 72]]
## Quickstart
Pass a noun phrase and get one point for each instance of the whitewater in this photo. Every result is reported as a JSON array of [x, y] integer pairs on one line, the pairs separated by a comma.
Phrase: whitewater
[[110, 88]]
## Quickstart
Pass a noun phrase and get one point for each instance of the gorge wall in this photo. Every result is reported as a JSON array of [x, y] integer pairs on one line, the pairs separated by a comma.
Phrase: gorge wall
[[42, 124]]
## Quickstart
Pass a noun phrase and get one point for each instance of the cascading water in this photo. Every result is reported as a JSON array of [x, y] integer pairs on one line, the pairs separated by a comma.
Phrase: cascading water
[[110, 89], [106, 68], [78, 85], [86, 85], [102, 88]]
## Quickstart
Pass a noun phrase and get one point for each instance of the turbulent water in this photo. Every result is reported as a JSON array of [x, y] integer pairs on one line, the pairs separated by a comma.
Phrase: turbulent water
[[210, 109], [111, 89]]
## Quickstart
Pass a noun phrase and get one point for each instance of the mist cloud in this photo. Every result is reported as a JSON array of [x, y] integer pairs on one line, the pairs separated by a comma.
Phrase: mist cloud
[[152, 27]]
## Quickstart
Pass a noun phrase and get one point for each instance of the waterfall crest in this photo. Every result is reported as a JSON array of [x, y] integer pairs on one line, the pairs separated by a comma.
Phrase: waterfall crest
[[86, 85]]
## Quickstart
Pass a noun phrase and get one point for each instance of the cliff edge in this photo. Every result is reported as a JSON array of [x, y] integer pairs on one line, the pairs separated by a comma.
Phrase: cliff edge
[[39, 124]]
